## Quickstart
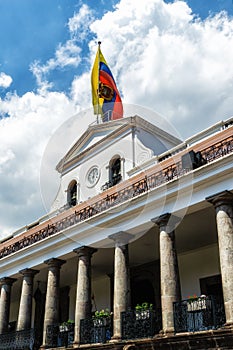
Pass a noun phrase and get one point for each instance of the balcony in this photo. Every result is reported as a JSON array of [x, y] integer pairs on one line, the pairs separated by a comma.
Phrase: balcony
[[199, 314], [18, 340], [191, 315], [115, 180], [58, 335], [96, 330], [159, 174], [134, 325], [140, 324]]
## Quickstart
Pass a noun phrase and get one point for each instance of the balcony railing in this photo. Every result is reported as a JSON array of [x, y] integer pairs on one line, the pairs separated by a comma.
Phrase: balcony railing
[[18, 340], [199, 314], [140, 324], [59, 335], [142, 185], [115, 180], [95, 330]]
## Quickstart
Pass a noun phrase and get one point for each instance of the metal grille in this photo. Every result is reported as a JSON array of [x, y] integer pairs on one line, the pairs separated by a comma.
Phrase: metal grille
[[140, 324], [97, 330], [19, 340], [58, 335], [146, 183], [199, 314]]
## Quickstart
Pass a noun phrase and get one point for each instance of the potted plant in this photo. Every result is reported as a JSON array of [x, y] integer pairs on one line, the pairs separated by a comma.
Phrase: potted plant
[[66, 326], [195, 303], [143, 311], [101, 318]]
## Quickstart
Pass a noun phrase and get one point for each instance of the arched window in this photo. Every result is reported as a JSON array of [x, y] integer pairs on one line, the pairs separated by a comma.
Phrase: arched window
[[72, 193], [115, 171]]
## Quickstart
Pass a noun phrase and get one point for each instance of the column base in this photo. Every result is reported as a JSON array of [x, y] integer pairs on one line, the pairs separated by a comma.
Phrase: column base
[[129, 347], [115, 339], [228, 325], [167, 332]]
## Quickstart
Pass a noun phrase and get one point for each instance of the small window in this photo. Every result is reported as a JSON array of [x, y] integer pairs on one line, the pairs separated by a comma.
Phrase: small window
[[115, 171], [72, 193]]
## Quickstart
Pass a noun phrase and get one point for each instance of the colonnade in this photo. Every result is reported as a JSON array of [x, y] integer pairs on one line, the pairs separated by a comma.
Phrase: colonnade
[[169, 274]]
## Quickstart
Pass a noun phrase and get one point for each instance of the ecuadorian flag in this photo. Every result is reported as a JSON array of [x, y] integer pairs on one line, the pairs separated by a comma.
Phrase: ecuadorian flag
[[105, 95]]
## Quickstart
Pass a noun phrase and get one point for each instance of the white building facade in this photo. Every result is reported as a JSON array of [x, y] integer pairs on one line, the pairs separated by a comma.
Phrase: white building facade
[[141, 228]]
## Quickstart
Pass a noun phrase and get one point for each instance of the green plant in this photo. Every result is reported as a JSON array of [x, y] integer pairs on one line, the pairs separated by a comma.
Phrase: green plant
[[144, 306], [102, 313], [192, 297], [66, 323]]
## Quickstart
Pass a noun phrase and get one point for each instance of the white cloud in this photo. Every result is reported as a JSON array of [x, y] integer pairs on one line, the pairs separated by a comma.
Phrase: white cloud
[[5, 80], [80, 22], [162, 57], [165, 58], [67, 54], [24, 136]]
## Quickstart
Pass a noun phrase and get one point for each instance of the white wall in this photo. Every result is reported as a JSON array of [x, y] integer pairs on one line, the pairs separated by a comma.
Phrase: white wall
[[197, 264], [145, 146], [72, 295], [122, 147], [14, 311], [101, 292], [156, 144]]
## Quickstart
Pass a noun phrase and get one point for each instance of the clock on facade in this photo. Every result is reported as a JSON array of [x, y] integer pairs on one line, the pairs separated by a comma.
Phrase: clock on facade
[[93, 175]]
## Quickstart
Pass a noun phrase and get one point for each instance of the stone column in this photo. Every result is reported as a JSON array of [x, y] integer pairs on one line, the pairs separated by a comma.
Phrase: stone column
[[223, 203], [52, 295], [83, 296], [6, 283], [169, 271], [25, 307], [121, 298]]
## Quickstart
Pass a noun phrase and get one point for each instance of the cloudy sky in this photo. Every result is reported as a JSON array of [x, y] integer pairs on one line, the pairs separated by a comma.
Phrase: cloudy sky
[[173, 57]]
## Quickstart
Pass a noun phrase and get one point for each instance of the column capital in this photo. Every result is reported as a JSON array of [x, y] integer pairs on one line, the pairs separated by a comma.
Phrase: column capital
[[162, 220], [28, 272], [54, 262], [221, 198], [84, 251], [7, 280], [121, 237]]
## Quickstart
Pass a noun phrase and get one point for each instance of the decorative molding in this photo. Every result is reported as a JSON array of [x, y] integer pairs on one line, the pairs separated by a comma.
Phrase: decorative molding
[[141, 185]]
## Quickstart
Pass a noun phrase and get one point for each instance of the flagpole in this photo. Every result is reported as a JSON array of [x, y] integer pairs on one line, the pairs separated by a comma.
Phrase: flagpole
[[99, 43]]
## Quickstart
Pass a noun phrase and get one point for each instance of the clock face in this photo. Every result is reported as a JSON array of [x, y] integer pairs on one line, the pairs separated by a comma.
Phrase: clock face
[[93, 175]]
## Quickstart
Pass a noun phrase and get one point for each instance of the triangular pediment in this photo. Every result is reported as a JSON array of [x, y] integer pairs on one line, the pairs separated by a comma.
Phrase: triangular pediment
[[93, 137], [99, 135]]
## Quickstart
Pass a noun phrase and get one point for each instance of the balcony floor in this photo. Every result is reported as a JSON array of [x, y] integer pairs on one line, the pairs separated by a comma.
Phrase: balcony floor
[[221, 339]]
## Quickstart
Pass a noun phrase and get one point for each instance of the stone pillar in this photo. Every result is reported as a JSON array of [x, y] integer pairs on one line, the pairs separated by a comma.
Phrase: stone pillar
[[52, 295], [83, 296], [6, 283], [169, 271], [121, 298], [223, 203], [25, 307]]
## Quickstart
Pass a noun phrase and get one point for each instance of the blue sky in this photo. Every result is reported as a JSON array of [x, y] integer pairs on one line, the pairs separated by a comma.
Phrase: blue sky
[[31, 31], [178, 55]]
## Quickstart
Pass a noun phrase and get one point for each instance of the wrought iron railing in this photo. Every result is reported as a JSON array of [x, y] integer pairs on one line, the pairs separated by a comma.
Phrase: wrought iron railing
[[143, 185], [218, 150], [18, 340], [199, 314], [59, 335], [95, 330], [115, 180], [140, 324]]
